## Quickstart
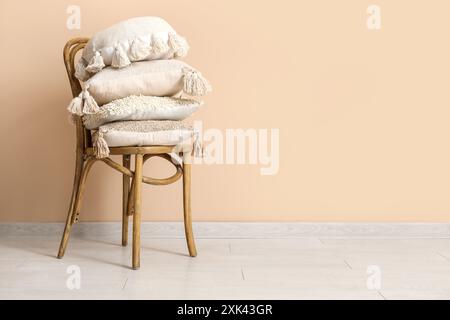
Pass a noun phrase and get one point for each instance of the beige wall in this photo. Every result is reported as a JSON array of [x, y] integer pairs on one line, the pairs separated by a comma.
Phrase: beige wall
[[363, 115]]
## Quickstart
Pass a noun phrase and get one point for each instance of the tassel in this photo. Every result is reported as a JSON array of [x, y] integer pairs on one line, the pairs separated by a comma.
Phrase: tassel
[[175, 157], [198, 147], [139, 50], [101, 148], [194, 83], [76, 105], [80, 70], [96, 64], [90, 106], [120, 58], [159, 46], [178, 44], [83, 104]]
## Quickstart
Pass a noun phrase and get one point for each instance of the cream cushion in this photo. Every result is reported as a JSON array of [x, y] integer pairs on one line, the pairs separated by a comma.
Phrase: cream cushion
[[141, 133], [146, 133], [161, 78], [136, 39], [142, 108]]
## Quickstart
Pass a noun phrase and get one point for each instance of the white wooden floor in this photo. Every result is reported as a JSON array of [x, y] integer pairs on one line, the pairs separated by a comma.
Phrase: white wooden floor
[[307, 268]]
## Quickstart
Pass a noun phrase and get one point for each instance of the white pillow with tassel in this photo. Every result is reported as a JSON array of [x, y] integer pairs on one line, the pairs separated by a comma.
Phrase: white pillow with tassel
[[160, 78], [142, 108], [144, 133], [136, 39]]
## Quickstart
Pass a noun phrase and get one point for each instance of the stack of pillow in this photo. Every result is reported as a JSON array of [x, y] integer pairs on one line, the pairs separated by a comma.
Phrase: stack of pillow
[[133, 87]]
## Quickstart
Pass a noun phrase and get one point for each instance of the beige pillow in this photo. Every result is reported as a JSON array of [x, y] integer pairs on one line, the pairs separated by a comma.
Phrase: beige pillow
[[142, 133], [142, 108], [136, 39], [150, 78]]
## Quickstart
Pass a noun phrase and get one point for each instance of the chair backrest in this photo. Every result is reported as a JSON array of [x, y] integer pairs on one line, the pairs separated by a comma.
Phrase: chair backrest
[[70, 50]]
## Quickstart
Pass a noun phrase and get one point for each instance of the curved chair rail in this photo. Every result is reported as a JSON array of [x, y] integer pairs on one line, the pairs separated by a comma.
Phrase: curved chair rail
[[149, 180]]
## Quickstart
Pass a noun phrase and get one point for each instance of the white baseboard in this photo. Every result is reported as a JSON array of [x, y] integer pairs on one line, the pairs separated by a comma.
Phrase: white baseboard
[[239, 230]]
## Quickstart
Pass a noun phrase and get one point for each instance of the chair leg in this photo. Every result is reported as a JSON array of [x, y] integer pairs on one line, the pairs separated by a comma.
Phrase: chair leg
[[137, 187], [79, 165], [187, 209], [86, 170], [130, 206], [74, 213], [126, 190]]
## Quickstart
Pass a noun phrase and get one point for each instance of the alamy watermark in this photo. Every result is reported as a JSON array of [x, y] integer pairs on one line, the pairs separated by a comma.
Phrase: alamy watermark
[[374, 19], [239, 146], [73, 282], [73, 21], [374, 277]]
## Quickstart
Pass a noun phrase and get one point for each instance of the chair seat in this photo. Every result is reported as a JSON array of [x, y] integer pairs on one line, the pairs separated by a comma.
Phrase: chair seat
[[146, 133]]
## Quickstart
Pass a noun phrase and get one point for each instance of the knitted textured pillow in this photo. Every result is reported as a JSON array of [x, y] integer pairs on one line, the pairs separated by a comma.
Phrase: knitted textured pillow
[[136, 39], [141, 133], [142, 108], [161, 78]]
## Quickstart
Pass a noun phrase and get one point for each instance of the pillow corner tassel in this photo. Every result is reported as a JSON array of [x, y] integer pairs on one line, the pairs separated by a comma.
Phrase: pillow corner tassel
[[80, 70], [120, 58], [96, 63], [194, 83], [101, 149], [139, 50], [159, 46], [76, 105], [198, 146], [90, 106], [178, 44]]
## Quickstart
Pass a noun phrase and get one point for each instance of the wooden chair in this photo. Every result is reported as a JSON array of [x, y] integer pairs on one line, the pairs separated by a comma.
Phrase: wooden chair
[[85, 158]]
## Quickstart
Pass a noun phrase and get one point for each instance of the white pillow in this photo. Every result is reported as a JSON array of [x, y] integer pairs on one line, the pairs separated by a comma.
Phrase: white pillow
[[142, 108], [141, 133], [159, 78], [136, 39]]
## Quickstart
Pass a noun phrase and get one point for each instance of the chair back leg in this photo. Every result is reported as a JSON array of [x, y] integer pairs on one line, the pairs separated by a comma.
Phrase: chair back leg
[[187, 209], [125, 193]]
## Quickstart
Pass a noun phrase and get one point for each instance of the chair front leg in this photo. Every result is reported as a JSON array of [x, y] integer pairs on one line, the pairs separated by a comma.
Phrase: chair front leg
[[125, 192], [74, 213], [79, 166], [137, 187]]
